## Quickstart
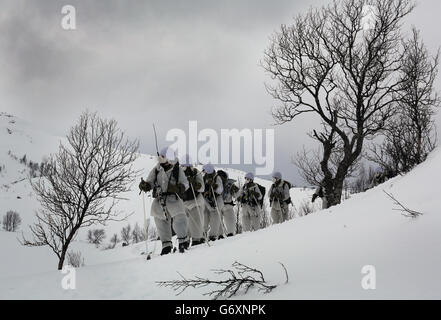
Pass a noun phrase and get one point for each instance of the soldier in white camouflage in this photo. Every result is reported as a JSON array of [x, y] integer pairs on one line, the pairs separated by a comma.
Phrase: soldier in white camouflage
[[279, 198], [249, 197], [194, 202], [168, 183], [213, 202]]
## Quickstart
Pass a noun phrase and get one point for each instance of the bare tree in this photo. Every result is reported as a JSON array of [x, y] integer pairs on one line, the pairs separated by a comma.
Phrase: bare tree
[[11, 221], [96, 236], [329, 64], [126, 234], [83, 183], [411, 135]]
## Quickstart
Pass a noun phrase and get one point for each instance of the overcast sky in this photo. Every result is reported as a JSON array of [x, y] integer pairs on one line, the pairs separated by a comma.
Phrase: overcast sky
[[165, 62]]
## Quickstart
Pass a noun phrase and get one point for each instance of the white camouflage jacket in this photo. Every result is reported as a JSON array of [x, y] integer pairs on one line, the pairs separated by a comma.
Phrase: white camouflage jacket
[[174, 205]]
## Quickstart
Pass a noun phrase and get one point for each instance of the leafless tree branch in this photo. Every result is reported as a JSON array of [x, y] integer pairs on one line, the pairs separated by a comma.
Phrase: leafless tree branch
[[83, 183]]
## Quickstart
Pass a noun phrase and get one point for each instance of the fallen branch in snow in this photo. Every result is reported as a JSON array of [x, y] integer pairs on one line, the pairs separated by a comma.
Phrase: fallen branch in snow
[[286, 272], [406, 211], [242, 278]]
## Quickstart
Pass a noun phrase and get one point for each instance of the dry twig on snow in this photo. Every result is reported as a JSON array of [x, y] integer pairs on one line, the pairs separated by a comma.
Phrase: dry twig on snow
[[406, 211]]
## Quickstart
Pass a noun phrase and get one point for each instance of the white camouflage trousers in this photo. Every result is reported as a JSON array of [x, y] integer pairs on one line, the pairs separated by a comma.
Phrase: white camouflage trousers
[[212, 222], [279, 214], [229, 220], [250, 218], [195, 223], [165, 229]]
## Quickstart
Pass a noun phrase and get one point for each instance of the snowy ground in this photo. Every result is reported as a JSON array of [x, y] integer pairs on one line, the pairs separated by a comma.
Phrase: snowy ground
[[324, 252]]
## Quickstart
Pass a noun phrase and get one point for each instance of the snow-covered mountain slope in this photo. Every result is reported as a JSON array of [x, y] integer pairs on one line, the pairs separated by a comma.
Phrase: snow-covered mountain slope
[[19, 138], [324, 253]]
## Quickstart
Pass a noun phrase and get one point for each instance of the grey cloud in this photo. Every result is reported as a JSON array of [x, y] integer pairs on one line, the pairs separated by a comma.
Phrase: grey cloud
[[151, 61]]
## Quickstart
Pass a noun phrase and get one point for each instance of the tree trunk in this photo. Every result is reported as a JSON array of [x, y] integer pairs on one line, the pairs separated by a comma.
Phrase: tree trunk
[[65, 248], [333, 197], [62, 258]]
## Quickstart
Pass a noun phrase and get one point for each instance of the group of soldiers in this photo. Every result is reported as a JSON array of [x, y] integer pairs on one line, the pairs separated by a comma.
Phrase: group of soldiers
[[199, 205]]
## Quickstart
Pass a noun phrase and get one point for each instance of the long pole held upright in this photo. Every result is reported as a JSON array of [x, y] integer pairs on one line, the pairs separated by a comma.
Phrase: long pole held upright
[[156, 139], [146, 229]]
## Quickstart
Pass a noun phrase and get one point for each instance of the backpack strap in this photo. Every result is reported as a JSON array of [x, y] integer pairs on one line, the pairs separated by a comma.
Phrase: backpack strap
[[287, 183], [175, 172]]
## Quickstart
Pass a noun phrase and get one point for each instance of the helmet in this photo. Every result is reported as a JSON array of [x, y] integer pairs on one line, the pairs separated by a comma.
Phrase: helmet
[[168, 154], [208, 168], [277, 175], [249, 175]]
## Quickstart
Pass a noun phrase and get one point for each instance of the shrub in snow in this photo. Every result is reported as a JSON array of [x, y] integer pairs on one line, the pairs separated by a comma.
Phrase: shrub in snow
[[96, 236], [138, 234], [11, 221], [126, 234], [306, 208], [75, 259], [265, 219], [113, 241]]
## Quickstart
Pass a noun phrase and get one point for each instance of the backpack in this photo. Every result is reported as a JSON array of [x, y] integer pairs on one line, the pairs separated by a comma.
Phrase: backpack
[[223, 175], [289, 184], [188, 194], [227, 188], [174, 174]]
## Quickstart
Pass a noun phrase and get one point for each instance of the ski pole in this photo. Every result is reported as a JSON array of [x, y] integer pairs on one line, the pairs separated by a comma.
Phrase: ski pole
[[145, 228]]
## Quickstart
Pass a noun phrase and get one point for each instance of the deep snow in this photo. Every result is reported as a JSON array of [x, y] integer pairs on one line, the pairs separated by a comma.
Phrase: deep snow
[[324, 252]]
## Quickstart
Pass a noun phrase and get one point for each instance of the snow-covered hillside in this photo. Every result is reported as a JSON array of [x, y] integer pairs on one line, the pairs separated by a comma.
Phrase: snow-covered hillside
[[323, 252], [20, 138]]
